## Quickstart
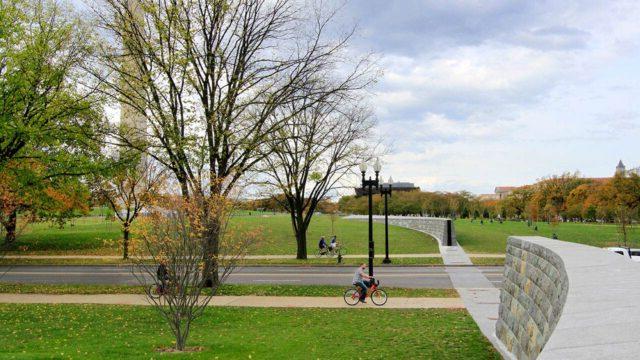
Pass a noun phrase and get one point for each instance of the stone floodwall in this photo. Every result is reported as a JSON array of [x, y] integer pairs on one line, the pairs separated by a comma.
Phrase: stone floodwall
[[436, 227], [531, 299], [562, 300]]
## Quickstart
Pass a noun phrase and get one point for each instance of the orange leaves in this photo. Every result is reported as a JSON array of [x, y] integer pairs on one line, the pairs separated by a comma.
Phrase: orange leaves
[[66, 199]]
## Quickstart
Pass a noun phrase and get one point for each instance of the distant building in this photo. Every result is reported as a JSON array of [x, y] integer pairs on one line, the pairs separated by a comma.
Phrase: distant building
[[502, 192], [621, 169], [499, 193], [487, 197], [395, 186]]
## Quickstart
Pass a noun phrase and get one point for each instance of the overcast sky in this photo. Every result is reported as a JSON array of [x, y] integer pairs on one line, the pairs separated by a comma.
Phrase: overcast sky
[[477, 94]]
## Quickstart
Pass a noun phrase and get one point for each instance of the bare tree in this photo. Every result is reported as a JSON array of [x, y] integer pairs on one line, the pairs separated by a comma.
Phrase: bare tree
[[624, 219], [175, 235], [312, 154], [623, 195], [332, 209], [129, 191], [208, 76]]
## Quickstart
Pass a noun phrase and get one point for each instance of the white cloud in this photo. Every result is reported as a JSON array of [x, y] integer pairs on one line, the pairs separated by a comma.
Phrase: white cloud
[[483, 94]]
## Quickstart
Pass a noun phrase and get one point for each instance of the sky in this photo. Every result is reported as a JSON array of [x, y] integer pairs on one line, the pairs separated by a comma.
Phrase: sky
[[486, 93], [478, 94]]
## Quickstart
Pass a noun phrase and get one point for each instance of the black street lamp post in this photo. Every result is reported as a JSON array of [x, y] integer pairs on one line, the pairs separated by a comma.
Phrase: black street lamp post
[[386, 191], [370, 184]]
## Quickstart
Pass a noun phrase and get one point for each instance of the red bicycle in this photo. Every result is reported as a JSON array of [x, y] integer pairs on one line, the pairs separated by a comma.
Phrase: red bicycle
[[377, 295]]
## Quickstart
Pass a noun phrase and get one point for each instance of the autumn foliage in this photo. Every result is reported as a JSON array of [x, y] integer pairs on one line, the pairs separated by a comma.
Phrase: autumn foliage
[[557, 198], [176, 233], [25, 192]]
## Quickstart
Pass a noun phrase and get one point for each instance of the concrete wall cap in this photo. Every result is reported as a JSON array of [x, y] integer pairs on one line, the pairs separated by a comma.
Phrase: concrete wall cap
[[601, 314]]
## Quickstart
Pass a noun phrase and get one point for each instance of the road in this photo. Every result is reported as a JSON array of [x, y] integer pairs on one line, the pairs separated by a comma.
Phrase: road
[[412, 277]]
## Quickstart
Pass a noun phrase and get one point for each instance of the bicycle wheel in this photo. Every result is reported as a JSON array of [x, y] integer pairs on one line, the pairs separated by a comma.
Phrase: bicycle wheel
[[379, 297], [319, 253], [331, 253], [152, 292], [351, 297]]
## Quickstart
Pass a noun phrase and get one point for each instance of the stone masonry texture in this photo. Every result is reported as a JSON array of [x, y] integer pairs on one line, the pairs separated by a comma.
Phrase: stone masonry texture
[[436, 227], [531, 299], [563, 301]]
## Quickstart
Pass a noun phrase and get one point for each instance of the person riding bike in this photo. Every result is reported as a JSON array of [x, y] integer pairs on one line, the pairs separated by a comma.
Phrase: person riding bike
[[163, 276], [362, 280], [333, 244], [322, 244]]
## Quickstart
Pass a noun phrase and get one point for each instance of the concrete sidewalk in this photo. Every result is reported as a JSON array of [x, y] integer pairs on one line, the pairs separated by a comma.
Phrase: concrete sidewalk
[[241, 301], [480, 297], [248, 257]]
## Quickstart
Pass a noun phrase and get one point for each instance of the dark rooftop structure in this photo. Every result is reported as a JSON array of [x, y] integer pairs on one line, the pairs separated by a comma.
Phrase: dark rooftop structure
[[395, 186]]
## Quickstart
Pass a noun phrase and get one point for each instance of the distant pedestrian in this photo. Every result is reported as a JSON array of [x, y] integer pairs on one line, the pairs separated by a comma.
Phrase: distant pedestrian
[[163, 276]]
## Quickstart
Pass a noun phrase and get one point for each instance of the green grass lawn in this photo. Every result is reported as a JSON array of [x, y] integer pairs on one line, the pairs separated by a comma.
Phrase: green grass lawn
[[431, 261], [86, 235], [353, 234], [118, 332], [226, 289], [95, 235], [481, 261], [346, 261], [492, 237]]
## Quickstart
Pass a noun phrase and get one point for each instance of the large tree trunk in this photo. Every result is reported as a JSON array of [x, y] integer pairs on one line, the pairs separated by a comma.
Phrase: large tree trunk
[[301, 240], [300, 229], [211, 252], [212, 264], [125, 241], [10, 226]]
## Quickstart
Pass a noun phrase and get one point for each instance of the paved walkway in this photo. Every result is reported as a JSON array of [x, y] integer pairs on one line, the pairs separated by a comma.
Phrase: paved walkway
[[248, 257], [242, 301], [480, 297]]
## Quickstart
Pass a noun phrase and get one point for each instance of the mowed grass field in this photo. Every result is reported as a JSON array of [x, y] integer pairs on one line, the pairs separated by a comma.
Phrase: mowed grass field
[[97, 236], [224, 290], [278, 235], [85, 235], [492, 237], [118, 332]]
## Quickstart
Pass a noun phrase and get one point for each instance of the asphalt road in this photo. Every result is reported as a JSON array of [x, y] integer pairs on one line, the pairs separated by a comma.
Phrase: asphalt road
[[413, 277]]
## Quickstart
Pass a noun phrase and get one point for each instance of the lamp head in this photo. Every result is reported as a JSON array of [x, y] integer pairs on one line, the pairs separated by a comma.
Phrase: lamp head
[[377, 166], [363, 167]]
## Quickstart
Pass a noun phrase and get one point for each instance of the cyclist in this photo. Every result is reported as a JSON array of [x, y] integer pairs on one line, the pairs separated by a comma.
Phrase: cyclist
[[333, 244], [163, 276], [362, 280], [322, 244]]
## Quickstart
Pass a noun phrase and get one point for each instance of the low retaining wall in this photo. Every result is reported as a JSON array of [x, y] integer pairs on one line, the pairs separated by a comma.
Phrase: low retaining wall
[[436, 227], [562, 300]]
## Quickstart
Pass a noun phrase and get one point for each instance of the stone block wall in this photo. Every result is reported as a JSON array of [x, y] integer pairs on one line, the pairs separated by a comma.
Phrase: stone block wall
[[436, 227], [570, 300], [532, 297]]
